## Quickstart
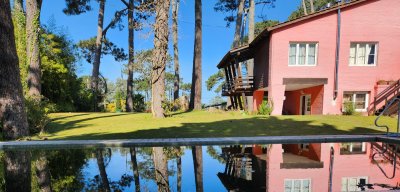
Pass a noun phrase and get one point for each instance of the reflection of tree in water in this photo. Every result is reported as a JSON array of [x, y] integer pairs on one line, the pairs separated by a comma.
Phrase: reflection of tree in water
[[66, 169], [101, 182], [17, 170], [215, 155]]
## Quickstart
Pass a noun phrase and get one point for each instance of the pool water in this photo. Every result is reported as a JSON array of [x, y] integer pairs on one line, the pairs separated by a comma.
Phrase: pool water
[[302, 167]]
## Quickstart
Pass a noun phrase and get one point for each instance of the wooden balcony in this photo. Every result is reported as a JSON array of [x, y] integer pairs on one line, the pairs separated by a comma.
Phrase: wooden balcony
[[238, 86]]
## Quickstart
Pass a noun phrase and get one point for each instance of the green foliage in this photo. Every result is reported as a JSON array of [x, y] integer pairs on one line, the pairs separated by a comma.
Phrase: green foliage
[[214, 79], [118, 101], [88, 50], [260, 26], [19, 21], [318, 4], [37, 113], [348, 108], [185, 88], [266, 107], [138, 103], [168, 107], [59, 82]]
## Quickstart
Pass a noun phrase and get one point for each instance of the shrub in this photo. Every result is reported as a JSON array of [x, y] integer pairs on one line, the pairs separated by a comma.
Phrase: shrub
[[168, 107], [348, 108], [266, 107], [37, 113]]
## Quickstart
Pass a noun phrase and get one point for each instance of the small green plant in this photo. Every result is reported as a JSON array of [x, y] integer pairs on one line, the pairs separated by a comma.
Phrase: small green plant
[[348, 108], [168, 107], [266, 107], [37, 112]]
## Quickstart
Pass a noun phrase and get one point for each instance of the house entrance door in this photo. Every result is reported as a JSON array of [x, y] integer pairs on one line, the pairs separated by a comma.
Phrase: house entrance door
[[305, 104]]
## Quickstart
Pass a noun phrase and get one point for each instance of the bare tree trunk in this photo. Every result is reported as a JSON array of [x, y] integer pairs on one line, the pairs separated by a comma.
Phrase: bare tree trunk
[[198, 167], [159, 58], [195, 94], [96, 63], [175, 8], [135, 169], [129, 83], [12, 107], [304, 7], [239, 17], [102, 170], [32, 46], [43, 173], [17, 166], [312, 6], [161, 169], [250, 62]]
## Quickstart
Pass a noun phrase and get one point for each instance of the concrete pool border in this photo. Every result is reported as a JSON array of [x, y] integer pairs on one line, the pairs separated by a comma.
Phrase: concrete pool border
[[58, 144]]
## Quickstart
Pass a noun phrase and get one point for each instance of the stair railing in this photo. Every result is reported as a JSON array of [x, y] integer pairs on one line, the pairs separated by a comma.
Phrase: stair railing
[[383, 112], [383, 95]]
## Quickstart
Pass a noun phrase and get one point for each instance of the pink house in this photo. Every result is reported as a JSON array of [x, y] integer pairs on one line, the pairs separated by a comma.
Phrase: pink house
[[313, 65], [310, 167]]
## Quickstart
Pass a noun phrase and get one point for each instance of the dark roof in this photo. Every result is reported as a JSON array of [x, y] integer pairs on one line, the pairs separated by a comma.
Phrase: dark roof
[[266, 31]]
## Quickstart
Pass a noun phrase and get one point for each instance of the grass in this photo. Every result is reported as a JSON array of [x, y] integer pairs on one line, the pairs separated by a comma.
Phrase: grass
[[204, 124]]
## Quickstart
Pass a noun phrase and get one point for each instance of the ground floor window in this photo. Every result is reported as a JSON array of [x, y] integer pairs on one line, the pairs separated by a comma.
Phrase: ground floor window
[[352, 148], [359, 100], [297, 185], [350, 183]]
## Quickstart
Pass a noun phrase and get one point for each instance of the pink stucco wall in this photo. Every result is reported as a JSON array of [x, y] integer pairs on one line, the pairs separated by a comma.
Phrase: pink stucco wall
[[371, 21], [354, 165]]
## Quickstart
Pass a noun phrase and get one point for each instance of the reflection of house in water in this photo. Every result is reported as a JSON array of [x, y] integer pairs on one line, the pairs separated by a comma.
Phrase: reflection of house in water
[[306, 167]]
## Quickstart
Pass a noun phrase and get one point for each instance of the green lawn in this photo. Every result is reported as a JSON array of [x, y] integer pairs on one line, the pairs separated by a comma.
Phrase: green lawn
[[204, 124]]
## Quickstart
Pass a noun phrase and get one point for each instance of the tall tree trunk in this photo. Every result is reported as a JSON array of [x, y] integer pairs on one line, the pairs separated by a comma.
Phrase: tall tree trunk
[[17, 166], [96, 63], [19, 21], [135, 169], [129, 83], [32, 45], [159, 58], [304, 7], [239, 17], [102, 169], [12, 108], [198, 167], [43, 173], [250, 62], [179, 171], [195, 94], [312, 6], [175, 9], [161, 169]]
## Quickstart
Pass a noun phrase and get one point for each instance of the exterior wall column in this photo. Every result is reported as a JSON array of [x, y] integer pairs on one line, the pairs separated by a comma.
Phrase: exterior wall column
[[257, 99], [276, 93]]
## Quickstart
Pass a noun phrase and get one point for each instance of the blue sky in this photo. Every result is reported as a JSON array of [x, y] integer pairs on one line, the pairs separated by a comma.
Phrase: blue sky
[[217, 39]]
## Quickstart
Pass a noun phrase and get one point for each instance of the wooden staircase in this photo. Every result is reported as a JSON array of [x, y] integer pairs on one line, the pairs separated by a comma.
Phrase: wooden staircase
[[384, 97]]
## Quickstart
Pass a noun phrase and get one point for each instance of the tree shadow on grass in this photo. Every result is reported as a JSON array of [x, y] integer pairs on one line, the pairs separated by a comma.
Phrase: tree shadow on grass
[[256, 126], [59, 126], [69, 116]]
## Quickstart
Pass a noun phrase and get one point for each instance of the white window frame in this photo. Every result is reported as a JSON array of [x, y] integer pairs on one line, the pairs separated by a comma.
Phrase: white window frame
[[297, 54], [363, 147], [301, 186], [354, 93], [365, 64], [347, 182]]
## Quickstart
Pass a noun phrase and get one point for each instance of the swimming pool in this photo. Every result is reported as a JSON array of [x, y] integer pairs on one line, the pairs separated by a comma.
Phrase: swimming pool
[[353, 164]]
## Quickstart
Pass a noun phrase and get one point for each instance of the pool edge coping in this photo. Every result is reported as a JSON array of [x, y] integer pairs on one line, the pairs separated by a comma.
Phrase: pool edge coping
[[57, 144]]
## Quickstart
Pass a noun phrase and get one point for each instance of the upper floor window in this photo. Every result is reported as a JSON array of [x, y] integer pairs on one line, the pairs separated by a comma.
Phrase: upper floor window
[[363, 54], [303, 54]]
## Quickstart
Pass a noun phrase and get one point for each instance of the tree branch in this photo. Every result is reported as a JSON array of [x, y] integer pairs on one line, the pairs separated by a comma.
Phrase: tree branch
[[117, 16]]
